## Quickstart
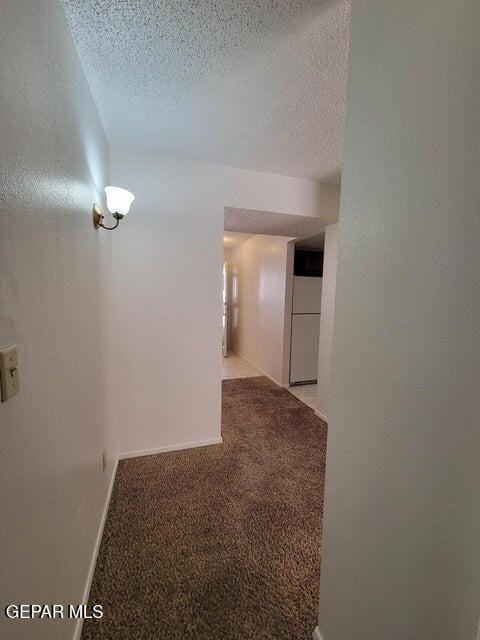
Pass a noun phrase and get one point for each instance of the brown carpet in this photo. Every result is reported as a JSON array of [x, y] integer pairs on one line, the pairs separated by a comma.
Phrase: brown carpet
[[221, 542]]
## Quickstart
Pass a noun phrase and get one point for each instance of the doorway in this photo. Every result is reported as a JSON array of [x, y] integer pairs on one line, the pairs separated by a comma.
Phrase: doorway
[[269, 311]]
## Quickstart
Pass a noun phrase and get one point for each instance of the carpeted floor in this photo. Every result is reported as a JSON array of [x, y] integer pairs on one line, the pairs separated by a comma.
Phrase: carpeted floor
[[222, 542]]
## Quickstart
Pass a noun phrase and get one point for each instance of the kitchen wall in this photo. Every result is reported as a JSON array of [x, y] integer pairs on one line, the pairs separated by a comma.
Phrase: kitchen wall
[[401, 554], [168, 285], [55, 282], [326, 321], [259, 303]]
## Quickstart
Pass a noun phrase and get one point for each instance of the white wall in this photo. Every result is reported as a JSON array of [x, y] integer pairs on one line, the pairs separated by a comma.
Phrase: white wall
[[168, 275], [227, 257], [55, 274], [259, 314], [401, 555], [326, 321]]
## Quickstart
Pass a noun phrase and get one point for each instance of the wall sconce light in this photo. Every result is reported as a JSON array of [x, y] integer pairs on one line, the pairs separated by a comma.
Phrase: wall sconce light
[[118, 203]]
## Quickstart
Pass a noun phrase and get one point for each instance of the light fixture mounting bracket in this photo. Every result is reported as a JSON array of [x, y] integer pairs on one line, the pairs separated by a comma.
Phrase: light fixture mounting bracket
[[98, 218]]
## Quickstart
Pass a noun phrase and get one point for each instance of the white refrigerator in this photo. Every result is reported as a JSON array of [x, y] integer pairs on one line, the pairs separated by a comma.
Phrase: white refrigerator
[[306, 307]]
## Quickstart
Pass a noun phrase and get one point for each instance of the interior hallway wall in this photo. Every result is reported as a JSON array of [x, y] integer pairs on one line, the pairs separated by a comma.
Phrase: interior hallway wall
[[227, 257], [401, 555], [55, 279], [259, 312], [326, 321], [168, 288]]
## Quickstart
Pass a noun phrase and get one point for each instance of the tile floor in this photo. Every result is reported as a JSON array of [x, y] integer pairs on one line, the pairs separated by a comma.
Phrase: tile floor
[[233, 366], [307, 393]]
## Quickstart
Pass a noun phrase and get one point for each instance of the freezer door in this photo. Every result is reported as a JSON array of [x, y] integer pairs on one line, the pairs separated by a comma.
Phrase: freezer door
[[307, 294], [304, 347]]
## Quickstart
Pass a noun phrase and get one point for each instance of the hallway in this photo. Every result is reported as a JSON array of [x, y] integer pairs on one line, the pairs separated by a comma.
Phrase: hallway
[[222, 541], [234, 366], [183, 177]]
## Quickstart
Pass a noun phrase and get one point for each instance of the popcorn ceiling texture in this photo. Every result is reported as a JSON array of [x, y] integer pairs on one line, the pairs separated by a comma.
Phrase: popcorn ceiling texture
[[271, 223], [259, 85]]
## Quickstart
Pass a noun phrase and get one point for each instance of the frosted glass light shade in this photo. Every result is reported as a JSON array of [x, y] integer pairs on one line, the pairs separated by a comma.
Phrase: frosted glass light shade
[[119, 200]]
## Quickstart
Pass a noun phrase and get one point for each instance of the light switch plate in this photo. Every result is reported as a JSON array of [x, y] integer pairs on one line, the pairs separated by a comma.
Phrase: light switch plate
[[9, 379]]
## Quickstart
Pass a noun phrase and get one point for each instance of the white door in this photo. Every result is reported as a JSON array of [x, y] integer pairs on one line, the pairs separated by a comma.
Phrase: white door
[[304, 347]]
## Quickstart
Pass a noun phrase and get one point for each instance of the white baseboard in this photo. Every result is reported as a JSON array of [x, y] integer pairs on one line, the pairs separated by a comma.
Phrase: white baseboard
[[169, 447], [279, 384], [86, 592], [316, 634], [320, 415]]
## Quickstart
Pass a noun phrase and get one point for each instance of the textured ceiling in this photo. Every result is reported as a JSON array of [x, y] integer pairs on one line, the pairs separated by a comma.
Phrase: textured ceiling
[[255, 84], [315, 243], [271, 223]]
